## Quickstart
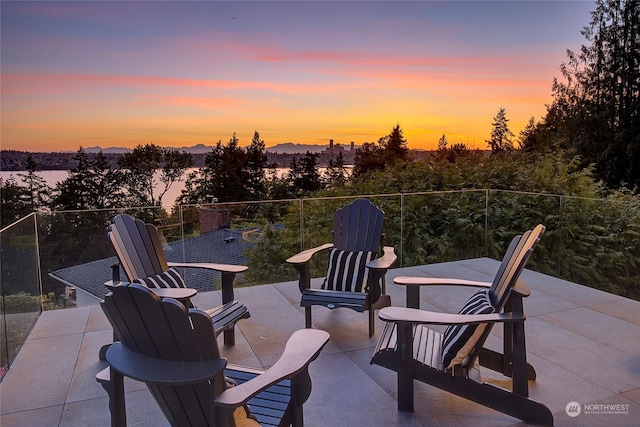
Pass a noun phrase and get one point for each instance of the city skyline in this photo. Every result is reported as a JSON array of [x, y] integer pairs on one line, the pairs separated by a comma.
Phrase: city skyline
[[186, 73]]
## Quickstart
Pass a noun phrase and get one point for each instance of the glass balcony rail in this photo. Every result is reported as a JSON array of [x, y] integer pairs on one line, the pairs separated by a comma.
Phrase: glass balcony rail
[[592, 242], [21, 292]]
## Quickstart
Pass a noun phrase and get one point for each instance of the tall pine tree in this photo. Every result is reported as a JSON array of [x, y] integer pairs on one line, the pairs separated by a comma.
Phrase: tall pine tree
[[596, 106]]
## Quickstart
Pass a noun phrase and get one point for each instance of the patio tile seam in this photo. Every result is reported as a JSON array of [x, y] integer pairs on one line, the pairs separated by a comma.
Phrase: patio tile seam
[[30, 338], [577, 373], [32, 409], [570, 328]]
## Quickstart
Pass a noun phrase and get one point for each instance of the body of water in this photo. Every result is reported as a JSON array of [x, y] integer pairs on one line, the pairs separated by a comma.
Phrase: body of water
[[55, 176]]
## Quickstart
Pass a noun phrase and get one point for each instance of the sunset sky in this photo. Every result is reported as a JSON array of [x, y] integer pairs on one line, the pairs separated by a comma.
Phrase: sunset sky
[[182, 73]]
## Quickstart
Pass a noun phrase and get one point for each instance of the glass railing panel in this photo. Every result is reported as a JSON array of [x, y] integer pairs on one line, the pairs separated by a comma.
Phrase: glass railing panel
[[76, 255], [599, 244], [260, 235], [443, 226], [511, 213], [20, 284]]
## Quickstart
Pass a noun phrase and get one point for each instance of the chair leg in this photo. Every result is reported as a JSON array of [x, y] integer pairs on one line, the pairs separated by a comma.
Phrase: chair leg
[[405, 367], [230, 336], [372, 322], [117, 404], [307, 317]]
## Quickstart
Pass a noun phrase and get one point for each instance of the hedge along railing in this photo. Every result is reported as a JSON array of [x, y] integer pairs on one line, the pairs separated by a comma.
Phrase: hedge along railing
[[20, 286], [594, 242]]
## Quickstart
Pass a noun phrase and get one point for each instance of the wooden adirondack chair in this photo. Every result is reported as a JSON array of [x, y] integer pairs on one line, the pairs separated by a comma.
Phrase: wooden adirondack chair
[[448, 361], [142, 258], [174, 351], [355, 277]]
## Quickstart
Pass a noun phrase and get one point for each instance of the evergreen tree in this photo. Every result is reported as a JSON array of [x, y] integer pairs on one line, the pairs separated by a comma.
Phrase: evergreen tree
[[336, 173], [74, 193], [442, 143], [368, 158], [395, 146], [389, 150], [89, 185], [303, 176], [107, 190], [37, 192], [256, 164], [14, 201], [596, 107], [528, 138], [230, 174], [501, 136]]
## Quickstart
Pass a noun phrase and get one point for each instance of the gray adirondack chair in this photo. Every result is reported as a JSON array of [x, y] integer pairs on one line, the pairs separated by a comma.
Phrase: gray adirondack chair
[[141, 256], [449, 361], [174, 351], [355, 277]]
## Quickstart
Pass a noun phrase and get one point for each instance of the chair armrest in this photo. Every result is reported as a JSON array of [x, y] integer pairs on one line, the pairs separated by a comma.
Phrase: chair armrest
[[304, 256], [521, 288], [175, 293], [411, 315], [301, 349], [111, 284], [157, 371], [225, 268], [437, 281], [228, 272], [384, 262]]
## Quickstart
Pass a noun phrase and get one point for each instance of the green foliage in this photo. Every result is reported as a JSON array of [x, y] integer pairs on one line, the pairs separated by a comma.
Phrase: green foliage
[[89, 185], [22, 302], [336, 173], [139, 169], [303, 176], [230, 174], [591, 238], [256, 164], [14, 201], [390, 149], [596, 104], [38, 192]]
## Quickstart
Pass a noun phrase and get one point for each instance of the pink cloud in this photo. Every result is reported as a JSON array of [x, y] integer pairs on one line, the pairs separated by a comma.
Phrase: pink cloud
[[44, 83]]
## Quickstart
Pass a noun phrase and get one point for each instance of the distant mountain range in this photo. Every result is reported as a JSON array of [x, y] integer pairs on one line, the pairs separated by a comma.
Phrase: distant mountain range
[[284, 148]]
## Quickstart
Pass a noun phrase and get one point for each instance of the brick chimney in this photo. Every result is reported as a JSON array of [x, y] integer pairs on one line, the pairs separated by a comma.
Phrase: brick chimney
[[213, 218]]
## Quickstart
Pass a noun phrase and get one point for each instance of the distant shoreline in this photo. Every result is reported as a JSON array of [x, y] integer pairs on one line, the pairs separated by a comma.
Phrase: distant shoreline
[[15, 161]]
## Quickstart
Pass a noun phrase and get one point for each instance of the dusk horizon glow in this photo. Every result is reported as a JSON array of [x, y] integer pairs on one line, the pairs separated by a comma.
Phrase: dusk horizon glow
[[119, 74]]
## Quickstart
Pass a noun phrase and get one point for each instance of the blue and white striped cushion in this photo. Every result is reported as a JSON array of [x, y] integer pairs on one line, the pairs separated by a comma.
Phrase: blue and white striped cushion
[[347, 270], [169, 279], [459, 340]]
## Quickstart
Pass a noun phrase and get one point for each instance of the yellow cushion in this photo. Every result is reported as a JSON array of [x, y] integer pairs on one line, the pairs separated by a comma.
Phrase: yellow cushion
[[242, 420]]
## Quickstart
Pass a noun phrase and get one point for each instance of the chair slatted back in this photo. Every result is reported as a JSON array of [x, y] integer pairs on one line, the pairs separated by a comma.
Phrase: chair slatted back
[[358, 226], [512, 265], [138, 247], [513, 262], [165, 329]]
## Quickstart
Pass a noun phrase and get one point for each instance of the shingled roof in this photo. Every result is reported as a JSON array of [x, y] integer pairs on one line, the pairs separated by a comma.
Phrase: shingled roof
[[225, 246]]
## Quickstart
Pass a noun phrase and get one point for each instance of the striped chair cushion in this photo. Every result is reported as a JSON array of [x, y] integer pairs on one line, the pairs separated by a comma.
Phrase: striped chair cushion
[[459, 340], [347, 270], [169, 279]]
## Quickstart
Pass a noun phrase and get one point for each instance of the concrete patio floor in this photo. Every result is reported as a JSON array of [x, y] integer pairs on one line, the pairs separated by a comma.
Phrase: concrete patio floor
[[583, 343]]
